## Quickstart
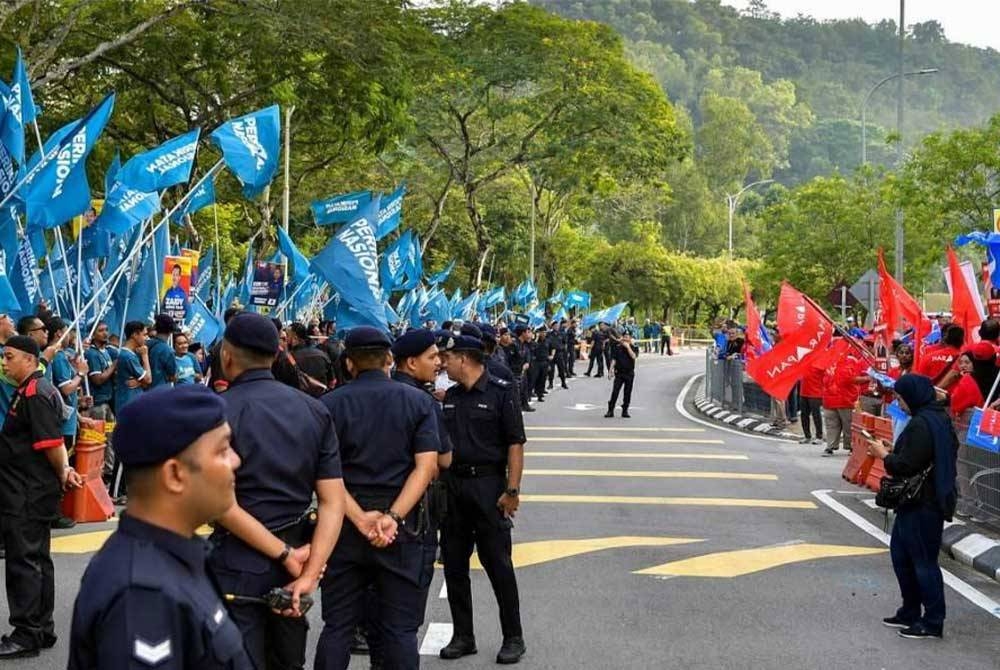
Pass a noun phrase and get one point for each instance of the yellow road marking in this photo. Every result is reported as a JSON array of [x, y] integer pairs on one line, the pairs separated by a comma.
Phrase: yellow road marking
[[644, 500], [639, 454], [86, 543], [648, 440], [745, 561], [623, 429], [533, 553], [654, 474]]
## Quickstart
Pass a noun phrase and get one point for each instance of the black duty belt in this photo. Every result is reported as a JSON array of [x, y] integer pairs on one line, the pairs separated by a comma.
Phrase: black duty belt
[[472, 471]]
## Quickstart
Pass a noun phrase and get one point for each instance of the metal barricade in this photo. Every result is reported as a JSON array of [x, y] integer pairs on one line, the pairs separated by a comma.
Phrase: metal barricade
[[978, 478], [727, 384]]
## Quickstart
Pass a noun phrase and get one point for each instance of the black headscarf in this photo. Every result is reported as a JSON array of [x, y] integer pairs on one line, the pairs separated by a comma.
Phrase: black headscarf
[[917, 392]]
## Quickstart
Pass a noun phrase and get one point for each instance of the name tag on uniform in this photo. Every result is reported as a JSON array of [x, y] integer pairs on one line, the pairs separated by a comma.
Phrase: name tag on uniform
[[482, 406], [447, 406]]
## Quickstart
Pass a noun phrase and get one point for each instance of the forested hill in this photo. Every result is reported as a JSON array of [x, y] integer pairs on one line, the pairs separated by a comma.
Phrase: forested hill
[[832, 64]]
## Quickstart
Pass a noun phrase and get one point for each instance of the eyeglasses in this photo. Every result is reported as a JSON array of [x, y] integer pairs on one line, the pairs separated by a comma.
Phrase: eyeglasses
[[39, 328]]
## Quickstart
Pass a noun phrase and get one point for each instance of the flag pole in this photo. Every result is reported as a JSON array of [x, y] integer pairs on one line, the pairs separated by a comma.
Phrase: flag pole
[[853, 341], [218, 261]]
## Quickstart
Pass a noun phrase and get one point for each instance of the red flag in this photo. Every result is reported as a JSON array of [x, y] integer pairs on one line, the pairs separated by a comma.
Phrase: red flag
[[795, 311], [900, 310], [754, 344], [778, 370], [963, 306]]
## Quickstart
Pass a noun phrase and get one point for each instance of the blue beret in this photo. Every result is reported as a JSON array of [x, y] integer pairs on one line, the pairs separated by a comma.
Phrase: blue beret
[[164, 422], [252, 331], [465, 343], [472, 330], [413, 343], [489, 332], [366, 337]]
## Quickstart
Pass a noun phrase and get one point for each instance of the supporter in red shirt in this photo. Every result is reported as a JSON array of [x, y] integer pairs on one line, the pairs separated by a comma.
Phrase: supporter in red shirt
[[842, 385], [973, 387], [811, 404], [938, 360]]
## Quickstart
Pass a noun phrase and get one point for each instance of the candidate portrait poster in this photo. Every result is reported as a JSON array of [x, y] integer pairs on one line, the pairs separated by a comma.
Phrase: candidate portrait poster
[[176, 290], [268, 283], [195, 256]]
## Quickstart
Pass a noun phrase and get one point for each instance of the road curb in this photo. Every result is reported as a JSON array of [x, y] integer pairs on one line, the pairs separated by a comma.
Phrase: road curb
[[966, 545], [747, 423]]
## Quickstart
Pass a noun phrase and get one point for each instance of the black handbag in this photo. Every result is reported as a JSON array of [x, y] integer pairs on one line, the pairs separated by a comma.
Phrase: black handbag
[[896, 491]]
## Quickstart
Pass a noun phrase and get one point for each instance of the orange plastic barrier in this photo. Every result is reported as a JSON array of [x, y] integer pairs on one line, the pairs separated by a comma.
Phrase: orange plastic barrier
[[91, 502], [861, 468], [858, 460]]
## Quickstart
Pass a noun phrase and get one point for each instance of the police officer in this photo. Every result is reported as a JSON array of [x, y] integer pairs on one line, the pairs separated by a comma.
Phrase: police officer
[[596, 339], [557, 354], [496, 366], [389, 442], [623, 355], [487, 433], [571, 346], [519, 356], [417, 365], [539, 367], [146, 599], [34, 470], [288, 446]]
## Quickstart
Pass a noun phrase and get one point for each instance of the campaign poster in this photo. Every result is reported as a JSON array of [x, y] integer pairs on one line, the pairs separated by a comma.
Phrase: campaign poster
[[195, 256], [176, 290], [268, 283]]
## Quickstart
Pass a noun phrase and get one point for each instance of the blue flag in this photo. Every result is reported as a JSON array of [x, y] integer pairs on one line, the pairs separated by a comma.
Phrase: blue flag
[[493, 297], [8, 241], [145, 294], [394, 263], [992, 243], [250, 146], [125, 208], [466, 308], [59, 190], [112, 174], [300, 264], [201, 198], [391, 213], [202, 287], [21, 87], [19, 110], [578, 299], [414, 263], [23, 279], [96, 243], [557, 298], [349, 263], [246, 284], [390, 315], [202, 324], [8, 301], [339, 208], [440, 277], [228, 295], [437, 307], [165, 166]]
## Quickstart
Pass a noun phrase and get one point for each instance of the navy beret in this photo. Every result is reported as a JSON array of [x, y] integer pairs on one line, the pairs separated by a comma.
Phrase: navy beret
[[163, 422], [471, 330], [413, 343], [366, 337], [252, 331], [465, 343], [520, 328], [489, 332]]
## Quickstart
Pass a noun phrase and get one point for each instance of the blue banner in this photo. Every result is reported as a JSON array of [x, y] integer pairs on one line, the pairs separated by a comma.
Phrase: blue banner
[[339, 208], [167, 165], [19, 110], [250, 146], [202, 324], [349, 263], [466, 308], [96, 243], [201, 198], [298, 261], [414, 263], [557, 298], [578, 299], [125, 208], [493, 297], [23, 279], [391, 213], [992, 243], [112, 174], [440, 277], [144, 297], [392, 269]]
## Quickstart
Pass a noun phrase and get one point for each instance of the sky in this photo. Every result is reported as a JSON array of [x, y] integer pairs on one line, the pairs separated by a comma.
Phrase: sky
[[975, 22]]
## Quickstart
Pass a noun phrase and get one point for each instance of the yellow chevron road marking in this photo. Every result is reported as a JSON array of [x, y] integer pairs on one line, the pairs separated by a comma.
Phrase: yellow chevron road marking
[[730, 564], [653, 474], [533, 553], [681, 501]]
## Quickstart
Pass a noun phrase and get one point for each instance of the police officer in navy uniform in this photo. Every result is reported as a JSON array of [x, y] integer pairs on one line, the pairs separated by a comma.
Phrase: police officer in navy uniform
[[417, 364], [539, 368], [388, 435], [623, 355], [557, 354], [597, 341], [571, 345], [518, 357], [496, 366], [146, 599], [487, 434], [288, 446]]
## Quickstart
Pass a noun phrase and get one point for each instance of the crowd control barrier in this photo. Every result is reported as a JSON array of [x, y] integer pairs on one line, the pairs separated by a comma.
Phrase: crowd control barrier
[[91, 502]]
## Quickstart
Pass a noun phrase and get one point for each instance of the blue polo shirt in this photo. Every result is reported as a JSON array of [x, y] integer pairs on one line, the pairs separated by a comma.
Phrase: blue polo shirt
[[64, 373], [187, 365], [162, 362], [129, 367], [100, 360]]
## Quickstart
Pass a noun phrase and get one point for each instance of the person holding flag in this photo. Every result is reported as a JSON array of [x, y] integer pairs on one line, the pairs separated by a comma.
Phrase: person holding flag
[[842, 386]]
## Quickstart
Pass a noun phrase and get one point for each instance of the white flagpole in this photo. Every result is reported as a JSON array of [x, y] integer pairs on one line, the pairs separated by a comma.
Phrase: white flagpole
[[218, 261]]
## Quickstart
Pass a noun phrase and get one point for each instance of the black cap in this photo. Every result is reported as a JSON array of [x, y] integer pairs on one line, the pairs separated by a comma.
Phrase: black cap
[[163, 422], [252, 331], [471, 330], [25, 344], [489, 332], [520, 328], [465, 343], [366, 337], [164, 324], [413, 343]]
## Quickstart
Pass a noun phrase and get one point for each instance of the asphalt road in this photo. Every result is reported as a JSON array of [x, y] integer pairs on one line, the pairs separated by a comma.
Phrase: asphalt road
[[807, 588]]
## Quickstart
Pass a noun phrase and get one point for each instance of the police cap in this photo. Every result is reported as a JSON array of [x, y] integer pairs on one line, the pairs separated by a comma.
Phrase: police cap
[[23, 343], [366, 337], [471, 330], [520, 328], [489, 332], [465, 343], [163, 422], [252, 331], [413, 343]]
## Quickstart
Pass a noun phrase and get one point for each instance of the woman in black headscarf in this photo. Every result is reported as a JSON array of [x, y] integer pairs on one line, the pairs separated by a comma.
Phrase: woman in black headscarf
[[927, 441]]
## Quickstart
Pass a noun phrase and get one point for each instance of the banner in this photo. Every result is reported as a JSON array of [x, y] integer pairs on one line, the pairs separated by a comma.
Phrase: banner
[[175, 292], [440, 277], [267, 285], [339, 208], [250, 146], [202, 325], [195, 257], [165, 166], [391, 212], [20, 110], [296, 259]]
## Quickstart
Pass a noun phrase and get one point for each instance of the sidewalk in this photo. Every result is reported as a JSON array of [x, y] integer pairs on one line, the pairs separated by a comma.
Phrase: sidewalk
[[750, 423]]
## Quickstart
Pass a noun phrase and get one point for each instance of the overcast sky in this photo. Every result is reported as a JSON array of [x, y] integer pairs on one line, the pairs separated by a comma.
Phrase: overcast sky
[[968, 21]]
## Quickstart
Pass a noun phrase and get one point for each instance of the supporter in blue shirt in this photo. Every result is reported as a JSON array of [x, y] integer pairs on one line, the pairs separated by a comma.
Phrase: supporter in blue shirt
[[101, 370], [188, 367], [68, 371], [132, 376], [162, 363]]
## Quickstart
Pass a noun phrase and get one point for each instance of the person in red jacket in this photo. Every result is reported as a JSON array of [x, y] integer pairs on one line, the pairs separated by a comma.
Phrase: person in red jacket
[[811, 404], [938, 360], [972, 388], [842, 385]]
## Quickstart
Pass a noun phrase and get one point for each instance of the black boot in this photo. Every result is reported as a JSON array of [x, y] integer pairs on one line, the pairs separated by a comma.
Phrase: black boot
[[458, 647], [611, 412], [625, 414], [511, 651]]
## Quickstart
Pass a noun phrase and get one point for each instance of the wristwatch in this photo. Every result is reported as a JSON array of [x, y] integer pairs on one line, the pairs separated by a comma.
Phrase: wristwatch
[[284, 554], [395, 517], [512, 492]]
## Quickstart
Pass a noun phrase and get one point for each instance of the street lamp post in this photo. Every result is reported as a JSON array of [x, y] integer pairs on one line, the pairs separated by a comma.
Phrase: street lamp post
[[733, 201], [864, 105]]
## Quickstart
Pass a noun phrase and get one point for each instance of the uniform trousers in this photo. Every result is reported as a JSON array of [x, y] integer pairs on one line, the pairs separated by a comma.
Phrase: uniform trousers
[[622, 382], [914, 547], [272, 642], [473, 521], [399, 575], [570, 360], [558, 363], [537, 370], [30, 580], [596, 355], [523, 388]]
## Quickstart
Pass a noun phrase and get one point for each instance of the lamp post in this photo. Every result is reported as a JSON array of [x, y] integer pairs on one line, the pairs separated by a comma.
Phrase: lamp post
[[733, 201], [864, 105]]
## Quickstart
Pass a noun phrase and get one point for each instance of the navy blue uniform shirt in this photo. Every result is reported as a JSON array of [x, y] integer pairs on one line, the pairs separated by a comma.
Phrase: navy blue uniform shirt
[[286, 441], [483, 421], [371, 450], [146, 601], [624, 364], [497, 366], [443, 437]]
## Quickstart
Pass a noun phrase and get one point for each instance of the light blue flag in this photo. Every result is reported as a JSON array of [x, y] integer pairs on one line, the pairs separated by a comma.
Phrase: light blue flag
[[390, 315], [250, 146], [437, 308], [228, 295], [37, 238], [167, 165], [557, 298], [96, 243], [348, 317], [21, 86], [124, 208], [493, 297], [536, 317], [560, 315], [414, 263], [59, 190], [19, 109], [440, 277], [391, 213], [111, 175], [8, 301], [23, 279], [206, 265], [144, 296], [298, 260], [466, 308], [394, 264], [246, 284], [578, 299], [8, 240], [202, 324], [349, 263], [203, 197], [339, 208], [992, 243]]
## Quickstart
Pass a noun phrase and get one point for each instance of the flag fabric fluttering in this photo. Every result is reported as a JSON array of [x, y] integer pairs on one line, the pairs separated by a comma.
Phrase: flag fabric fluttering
[[578, 299], [992, 243], [492, 297], [125, 207], [391, 213], [20, 111], [964, 311], [440, 277], [203, 196], [250, 145], [162, 167], [202, 325], [298, 260], [339, 208], [757, 338], [393, 267]]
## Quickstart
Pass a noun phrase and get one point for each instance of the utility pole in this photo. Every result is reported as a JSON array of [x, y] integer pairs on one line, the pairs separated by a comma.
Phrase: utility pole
[[899, 137]]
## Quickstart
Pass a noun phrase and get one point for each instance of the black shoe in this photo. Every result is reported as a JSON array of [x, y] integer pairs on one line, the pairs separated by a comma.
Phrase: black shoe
[[896, 622], [62, 523], [458, 647], [11, 649], [550, 387], [625, 414], [527, 408], [565, 387], [511, 651], [586, 374], [541, 399], [610, 414], [828, 452], [598, 376], [919, 631]]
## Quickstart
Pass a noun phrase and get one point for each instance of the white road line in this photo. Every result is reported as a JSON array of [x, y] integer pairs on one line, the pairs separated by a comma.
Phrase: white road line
[[437, 636], [679, 406], [444, 591], [970, 593]]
